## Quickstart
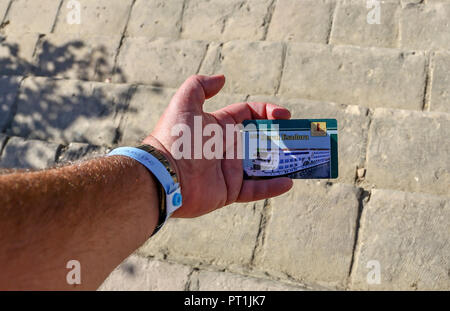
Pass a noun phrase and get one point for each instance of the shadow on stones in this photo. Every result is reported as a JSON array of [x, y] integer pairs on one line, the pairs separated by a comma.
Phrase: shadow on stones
[[46, 97]]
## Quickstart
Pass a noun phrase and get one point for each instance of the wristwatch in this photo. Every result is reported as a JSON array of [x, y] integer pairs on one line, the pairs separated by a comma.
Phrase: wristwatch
[[169, 190], [163, 215]]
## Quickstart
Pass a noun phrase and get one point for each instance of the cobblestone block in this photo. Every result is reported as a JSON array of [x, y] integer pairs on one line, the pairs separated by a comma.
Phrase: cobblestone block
[[69, 111], [225, 237], [405, 235], [78, 151], [409, 151], [9, 87], [352, 126], [247, 22], [241, 63], [204, 280], [146, 107], [351, 24], [16, 53], [310, 233], [31, 16], [368, 77], [141, 274], [161, 62], [440, 85], [28, 154], [206, 19], [156, 18], [77, 56], [304, 20], [100, 17], [224, 21], [426, 27]]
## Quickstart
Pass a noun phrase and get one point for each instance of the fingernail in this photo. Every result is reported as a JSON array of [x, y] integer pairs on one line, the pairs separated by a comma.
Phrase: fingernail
[[281, 113]]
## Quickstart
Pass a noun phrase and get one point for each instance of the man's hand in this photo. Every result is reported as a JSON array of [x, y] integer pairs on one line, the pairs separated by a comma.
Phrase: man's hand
[[207, 185]]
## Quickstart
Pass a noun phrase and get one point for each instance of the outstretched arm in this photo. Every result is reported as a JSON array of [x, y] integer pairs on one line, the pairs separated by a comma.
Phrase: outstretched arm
[[97, 212], [100, 211]]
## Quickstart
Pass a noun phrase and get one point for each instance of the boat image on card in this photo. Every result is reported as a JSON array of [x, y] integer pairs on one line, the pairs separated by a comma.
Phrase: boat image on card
[[290, 162]]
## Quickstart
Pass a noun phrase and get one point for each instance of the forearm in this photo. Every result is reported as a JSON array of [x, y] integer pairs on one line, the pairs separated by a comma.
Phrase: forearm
[[97, 212]]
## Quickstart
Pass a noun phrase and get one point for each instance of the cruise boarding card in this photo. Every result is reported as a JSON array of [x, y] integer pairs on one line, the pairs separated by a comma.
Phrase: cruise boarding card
[[299, 149]]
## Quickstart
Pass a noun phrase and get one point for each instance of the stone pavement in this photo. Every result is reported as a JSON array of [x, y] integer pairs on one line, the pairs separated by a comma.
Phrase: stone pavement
[[74, 91]]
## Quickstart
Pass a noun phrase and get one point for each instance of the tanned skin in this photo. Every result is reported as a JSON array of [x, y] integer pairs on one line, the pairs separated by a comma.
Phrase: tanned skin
[[100, 211]]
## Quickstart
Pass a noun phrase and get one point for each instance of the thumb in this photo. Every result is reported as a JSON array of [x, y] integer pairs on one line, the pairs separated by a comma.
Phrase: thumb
[[195, 90]]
